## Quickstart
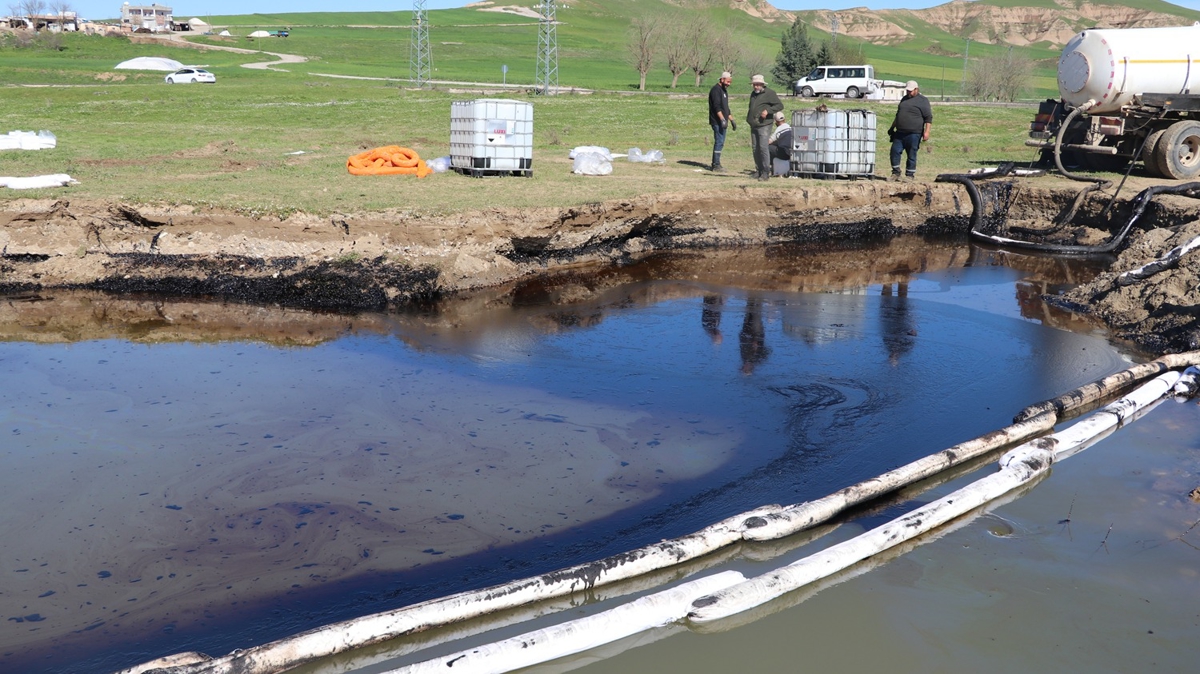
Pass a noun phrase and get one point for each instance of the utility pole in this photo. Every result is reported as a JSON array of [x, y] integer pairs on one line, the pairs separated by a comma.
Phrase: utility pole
[[547, 57], [962, 86], [833, 32], [420, 60]]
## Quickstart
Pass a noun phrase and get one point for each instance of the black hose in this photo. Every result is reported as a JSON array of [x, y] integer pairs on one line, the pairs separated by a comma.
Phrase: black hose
[[1139, 206], [1062, 131]]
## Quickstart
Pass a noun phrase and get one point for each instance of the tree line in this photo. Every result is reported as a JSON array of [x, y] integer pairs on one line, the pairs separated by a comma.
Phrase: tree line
[[694, 44]]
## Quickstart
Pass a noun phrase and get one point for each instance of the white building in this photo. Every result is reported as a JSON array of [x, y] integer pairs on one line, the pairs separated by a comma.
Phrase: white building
[[155, 18]]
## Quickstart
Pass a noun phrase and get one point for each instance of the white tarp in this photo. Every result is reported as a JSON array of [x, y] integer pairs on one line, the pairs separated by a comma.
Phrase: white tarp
[[150, 63], [28, 140], [260, 33], [196, 22], [34, 182], [224, 33]]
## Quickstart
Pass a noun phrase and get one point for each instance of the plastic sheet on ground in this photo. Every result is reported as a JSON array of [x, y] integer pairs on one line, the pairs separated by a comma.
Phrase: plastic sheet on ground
[[28, 140], [649, 156], [594, 149], [34, 182], [439, 164], [591, 164], [149, 63]]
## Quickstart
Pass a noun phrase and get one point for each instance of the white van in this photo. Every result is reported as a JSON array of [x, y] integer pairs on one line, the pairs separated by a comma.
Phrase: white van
[[853, 81]]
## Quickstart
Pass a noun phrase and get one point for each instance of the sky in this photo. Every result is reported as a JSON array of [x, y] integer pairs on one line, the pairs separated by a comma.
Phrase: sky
[[185, 9]]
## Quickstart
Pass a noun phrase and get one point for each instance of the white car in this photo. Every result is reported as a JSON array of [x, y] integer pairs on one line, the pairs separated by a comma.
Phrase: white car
[[190, 75]]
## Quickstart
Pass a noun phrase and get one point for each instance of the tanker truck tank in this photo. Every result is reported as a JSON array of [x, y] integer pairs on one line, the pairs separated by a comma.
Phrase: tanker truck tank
[[1111, 66]]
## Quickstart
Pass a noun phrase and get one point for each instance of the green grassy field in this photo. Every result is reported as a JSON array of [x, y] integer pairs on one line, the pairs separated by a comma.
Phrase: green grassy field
[[128, 136], [230, 145]]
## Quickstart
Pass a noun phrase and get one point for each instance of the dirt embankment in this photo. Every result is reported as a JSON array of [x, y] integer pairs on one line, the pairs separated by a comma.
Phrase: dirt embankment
[[382, 260]]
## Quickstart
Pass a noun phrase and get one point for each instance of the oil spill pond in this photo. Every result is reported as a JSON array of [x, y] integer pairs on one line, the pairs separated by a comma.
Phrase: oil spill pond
[[183, 475]]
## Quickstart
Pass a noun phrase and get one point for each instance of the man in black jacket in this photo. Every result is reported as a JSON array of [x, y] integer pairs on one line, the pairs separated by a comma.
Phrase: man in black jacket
[[913, 120], [764, 103], [719, 117]]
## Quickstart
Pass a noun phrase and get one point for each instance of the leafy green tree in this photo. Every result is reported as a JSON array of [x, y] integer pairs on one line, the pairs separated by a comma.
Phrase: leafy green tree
[[797, 55], [824, 56]]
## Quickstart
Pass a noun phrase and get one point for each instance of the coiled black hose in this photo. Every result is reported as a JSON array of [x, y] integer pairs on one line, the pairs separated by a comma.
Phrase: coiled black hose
[[1139, 206]]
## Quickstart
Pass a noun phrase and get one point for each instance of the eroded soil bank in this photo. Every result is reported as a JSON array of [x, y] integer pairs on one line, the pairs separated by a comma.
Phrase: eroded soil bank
[[387, 259]]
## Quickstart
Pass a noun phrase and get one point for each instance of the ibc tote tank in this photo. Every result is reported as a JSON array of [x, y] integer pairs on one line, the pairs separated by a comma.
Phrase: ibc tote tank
[[1111, 66]]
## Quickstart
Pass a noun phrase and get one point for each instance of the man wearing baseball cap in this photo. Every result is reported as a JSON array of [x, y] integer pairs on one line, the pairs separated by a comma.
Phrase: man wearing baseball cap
[[781, 138], [719, 117], [914, 118], [764, 103]]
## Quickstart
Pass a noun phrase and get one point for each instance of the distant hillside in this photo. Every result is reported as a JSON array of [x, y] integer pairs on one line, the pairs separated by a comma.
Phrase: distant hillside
[[1044, 22], [930, 45], [1049, 23]]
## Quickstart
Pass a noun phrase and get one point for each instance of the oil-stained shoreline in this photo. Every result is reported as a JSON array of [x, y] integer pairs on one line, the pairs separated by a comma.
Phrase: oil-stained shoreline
[[384, 260]]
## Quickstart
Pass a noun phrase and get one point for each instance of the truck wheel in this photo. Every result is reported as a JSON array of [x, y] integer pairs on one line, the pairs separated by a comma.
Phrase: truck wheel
[[806, 92], [1149, 151], [853, 92], [1178, 151]]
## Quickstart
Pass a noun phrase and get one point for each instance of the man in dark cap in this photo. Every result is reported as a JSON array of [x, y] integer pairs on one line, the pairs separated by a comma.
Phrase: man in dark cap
[[913, 120]]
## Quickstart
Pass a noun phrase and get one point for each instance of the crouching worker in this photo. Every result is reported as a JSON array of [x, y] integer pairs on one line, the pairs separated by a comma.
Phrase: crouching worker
[[781, 138]]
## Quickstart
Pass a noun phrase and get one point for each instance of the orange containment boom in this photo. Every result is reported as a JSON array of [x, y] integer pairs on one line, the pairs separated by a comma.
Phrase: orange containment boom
[[389, 160]]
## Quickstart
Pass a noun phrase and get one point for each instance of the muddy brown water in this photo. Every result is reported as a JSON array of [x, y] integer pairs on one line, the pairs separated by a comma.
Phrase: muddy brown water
[[196, 476]]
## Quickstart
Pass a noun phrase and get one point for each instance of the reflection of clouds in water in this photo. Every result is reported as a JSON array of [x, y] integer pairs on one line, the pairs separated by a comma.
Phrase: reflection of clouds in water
[[824, 318]]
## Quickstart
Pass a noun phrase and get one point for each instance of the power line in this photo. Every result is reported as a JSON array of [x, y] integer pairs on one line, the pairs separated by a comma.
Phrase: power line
[[547, 57], [420, 59]]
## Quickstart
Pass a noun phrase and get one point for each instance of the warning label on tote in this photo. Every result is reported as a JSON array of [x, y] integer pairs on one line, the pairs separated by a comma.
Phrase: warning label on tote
[[498, 131]]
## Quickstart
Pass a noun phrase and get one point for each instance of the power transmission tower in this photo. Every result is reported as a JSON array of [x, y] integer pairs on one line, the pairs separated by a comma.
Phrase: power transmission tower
[[547, 58], [420, 60]]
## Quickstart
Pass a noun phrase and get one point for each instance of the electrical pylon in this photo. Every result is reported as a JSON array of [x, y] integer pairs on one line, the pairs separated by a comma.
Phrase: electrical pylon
[[547, 57], [420, 59]]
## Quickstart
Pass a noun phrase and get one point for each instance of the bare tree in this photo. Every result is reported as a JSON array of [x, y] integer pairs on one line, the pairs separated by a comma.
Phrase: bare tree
[[642, 37], [758, 63], [700, 34], [32, 9], [675, 48], [848, 52], [1002, 77], [727, 53], [61, 8]]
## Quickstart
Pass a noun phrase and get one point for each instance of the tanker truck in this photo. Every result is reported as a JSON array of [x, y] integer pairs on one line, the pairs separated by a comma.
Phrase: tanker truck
[[1127, 94]]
